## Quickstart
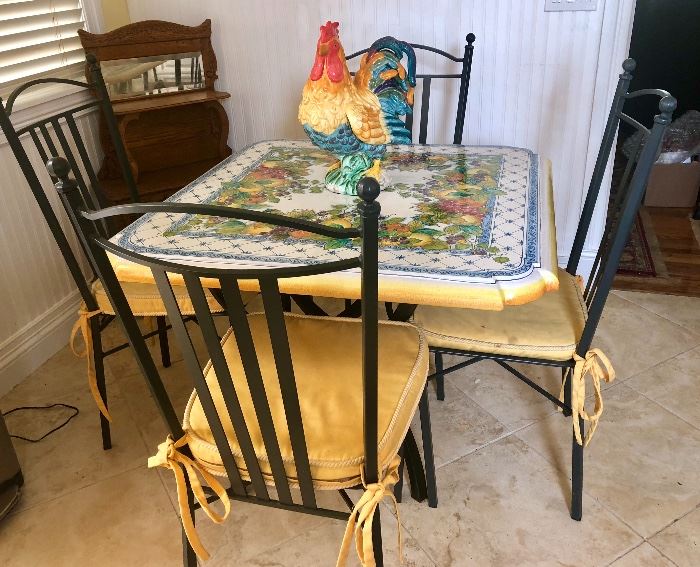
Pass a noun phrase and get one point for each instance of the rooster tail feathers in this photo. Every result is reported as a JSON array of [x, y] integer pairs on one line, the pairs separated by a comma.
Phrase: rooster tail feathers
[[399, 49], [392, 83]]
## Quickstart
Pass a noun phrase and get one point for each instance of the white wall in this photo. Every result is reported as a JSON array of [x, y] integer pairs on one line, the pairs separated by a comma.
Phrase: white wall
[[540, 80]]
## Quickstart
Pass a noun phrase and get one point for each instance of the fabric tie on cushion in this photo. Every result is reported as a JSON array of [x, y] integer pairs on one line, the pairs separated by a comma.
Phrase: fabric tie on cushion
[[82, 325], [169, 457], [599, 367], [362, 515]]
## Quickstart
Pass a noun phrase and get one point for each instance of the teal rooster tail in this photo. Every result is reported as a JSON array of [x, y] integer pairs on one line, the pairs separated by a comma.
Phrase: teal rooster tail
[[392, 93], [399, 49]]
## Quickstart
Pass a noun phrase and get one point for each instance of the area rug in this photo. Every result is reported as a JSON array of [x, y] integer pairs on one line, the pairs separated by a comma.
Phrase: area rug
[[642, 256]]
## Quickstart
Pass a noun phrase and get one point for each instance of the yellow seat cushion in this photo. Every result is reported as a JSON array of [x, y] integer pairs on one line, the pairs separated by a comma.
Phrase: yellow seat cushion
[[145, 300], [548, 328], [326, 355]]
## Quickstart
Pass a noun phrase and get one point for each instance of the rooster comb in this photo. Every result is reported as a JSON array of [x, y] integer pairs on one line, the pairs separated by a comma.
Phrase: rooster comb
[[329, 31]]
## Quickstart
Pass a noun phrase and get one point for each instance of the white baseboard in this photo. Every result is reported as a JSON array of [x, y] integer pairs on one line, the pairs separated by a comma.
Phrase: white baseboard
[[36, 342]]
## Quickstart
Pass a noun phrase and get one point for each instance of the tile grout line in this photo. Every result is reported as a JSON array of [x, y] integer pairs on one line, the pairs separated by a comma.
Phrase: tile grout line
[[476, 403], [591, 496], [697, 507], [641, 543], [625, 553], [142, 436], [663, 554], [694, 332], [401, 526], [488, 443], [568, 476], [664, 361], [496, 439], [613, 512], [116, 390], [648, 368], [662, 406], [652, 399], [70, 492]]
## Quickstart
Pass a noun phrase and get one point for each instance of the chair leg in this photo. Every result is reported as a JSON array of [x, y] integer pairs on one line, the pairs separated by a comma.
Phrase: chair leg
[[163, 339], [189, 557], [577, 475], [428, 455], [439, 379], [414, 465], [377, 538], [98, 360], [567, 391]]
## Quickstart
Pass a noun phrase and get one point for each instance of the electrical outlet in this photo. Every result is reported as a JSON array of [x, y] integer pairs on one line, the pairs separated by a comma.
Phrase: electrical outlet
[[570, 5]]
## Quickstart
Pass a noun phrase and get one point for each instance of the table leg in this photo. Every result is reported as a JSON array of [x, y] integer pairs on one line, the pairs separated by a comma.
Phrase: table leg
[[402, 312], [352, 309], [308, 306], [411, 454], [414, 466]]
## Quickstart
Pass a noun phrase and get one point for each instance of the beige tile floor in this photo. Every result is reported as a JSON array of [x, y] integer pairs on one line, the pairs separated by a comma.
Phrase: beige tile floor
[[503, 476]]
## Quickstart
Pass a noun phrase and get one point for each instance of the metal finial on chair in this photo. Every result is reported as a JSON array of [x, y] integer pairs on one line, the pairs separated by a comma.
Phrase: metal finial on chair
[[666, 105], [628, 66], [59, 168], [471, 38], [368, 189]]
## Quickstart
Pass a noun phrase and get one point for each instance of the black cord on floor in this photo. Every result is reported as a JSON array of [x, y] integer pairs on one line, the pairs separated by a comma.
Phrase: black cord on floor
[[76, 411]]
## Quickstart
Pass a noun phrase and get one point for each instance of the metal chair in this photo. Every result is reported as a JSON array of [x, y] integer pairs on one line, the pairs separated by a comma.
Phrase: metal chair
[[464, 78], [270, 409], [96, 312], [557, 330]]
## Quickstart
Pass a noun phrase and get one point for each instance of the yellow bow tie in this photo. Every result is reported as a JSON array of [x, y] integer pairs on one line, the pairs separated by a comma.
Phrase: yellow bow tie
[[169, 457], [597, 365], [360, 520], [82, 325]]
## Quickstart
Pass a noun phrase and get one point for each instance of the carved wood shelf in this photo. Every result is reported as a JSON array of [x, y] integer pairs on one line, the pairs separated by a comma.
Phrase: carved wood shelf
[[173, 132]]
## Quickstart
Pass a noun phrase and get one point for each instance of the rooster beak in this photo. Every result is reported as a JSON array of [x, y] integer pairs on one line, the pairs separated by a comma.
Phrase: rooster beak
[[323, 50]]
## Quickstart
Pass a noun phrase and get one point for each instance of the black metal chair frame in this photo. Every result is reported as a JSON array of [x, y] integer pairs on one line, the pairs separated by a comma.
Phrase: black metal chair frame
[[464, 77], [90, 193], [98, 246], [621, 216]]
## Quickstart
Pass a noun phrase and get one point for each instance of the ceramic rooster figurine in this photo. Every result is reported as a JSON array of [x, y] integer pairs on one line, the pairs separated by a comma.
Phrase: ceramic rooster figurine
[[356, 119]]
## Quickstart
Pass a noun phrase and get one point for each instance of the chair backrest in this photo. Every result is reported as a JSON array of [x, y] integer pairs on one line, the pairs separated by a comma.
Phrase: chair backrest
[[66, 137], [426, 81], [228, 280], [630, 185]]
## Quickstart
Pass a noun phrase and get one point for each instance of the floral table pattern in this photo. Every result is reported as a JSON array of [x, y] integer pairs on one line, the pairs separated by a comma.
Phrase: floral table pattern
[[447, 211]]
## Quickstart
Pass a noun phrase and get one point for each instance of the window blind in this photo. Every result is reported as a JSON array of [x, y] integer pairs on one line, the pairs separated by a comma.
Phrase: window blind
[[39, 37]]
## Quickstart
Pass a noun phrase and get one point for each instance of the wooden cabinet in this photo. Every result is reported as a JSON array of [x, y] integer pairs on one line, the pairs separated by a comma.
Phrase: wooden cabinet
[[160, 78]]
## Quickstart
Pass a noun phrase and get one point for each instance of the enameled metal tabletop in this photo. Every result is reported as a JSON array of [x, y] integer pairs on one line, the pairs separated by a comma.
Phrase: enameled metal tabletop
[[463, 226]]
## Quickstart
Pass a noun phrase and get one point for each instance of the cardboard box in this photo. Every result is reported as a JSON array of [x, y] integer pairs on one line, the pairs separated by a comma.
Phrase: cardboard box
[[673, 185]]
